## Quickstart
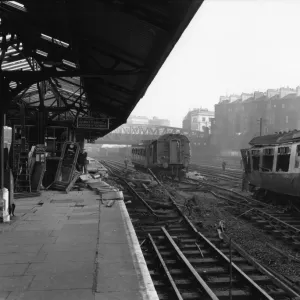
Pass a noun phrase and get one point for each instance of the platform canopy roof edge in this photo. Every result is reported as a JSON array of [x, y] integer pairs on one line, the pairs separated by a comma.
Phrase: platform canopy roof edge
[[74, 58]]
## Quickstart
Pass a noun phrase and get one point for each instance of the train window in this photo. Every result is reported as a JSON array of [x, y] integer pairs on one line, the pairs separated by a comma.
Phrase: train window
[[283, 159], [255, 159], [268, 159], [297, 158]]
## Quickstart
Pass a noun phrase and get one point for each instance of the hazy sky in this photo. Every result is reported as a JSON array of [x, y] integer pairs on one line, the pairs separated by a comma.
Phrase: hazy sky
[[231, 46]]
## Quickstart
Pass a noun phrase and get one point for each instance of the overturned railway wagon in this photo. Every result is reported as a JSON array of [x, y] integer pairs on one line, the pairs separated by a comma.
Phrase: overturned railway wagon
[[273, 163], [170, 154]]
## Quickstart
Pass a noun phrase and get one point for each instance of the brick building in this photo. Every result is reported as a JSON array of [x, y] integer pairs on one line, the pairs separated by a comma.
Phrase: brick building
[[237, 119], [200, 119]]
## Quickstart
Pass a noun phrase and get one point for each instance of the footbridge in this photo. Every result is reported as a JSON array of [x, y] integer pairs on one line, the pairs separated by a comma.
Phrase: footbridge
[[129, 134]]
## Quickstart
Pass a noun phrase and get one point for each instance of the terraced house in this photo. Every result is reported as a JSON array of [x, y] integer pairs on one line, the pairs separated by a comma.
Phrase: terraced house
[[240, 118]]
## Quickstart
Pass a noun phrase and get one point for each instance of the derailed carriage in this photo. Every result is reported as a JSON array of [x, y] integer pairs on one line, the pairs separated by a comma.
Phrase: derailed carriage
[[168, 155], [272, 164]]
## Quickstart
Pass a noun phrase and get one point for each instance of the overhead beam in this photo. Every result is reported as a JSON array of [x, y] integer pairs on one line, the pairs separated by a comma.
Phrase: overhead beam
[[36, 76]]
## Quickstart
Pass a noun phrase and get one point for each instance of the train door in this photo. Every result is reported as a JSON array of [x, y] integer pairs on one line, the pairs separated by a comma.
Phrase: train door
[[174, 152], [246, 160], [297, 158]]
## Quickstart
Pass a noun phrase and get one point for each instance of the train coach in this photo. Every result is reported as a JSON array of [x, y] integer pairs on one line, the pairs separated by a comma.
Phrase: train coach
[[272, 164], [168, 155]]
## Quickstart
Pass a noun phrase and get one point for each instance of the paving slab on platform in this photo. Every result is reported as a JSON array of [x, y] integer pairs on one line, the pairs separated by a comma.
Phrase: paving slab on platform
[[61, 251]]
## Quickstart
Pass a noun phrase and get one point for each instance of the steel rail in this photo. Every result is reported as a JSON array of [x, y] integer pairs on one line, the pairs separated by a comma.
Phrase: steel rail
[[262, 269], [260, 212], [218, 175], [245, 198], [277, 220], [256, 290], [247, 256], [232, 171], [282, 223], [234, 174], [133, 191], [259, 290], [203, 284], [163, 264], [119, 164]]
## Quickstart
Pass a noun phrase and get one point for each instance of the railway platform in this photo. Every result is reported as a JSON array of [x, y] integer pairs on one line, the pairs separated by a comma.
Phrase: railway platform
[[70, 246]]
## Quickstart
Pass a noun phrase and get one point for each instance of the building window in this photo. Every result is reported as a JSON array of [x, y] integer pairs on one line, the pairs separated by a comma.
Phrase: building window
[[194, 120], [286, 119], [283, 106], [203, 119], [266, 130]]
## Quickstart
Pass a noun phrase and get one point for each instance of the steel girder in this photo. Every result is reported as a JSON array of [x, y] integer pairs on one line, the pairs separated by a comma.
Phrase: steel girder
[[130, 134]]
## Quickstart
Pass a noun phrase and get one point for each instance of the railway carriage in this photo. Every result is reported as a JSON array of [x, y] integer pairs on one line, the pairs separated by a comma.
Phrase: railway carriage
[[170, 155], [272, 164]]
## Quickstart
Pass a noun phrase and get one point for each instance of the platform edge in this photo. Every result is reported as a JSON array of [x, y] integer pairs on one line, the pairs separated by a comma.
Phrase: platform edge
[[148, 290]]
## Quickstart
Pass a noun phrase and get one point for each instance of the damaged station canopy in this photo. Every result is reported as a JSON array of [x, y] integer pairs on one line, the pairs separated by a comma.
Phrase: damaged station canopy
[[65, 60]]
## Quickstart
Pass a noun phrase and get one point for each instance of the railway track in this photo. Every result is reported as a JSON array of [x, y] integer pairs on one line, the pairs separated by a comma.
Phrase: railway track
[[217, 173], [231, 172], [212, 174], [185, 264], [280, 224], [277, 222]]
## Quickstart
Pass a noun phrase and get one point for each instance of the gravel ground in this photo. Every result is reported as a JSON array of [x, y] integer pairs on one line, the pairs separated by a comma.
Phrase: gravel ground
[[209, 211]]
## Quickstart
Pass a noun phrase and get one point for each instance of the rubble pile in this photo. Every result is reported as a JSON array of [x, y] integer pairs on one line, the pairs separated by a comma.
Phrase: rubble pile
[[138, 178], [159, 192]]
